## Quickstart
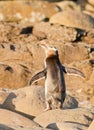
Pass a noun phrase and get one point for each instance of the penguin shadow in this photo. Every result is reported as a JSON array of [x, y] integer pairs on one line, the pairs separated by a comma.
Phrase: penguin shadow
[[8, 104], [53, 126]]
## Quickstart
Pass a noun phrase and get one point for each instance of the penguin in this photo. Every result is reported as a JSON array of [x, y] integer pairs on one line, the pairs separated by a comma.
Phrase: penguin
[[55, 87]]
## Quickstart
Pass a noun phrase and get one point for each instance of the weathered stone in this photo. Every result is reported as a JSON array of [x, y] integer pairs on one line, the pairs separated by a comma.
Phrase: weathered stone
[[24, 11], [13, 75], [91, 127], [89, 13], [70, 51], [31, 101], [89, 38], [89, 7], [79, 116], [54, 32], [91, 2], [70, 18], [68, 5], [71, 126], [13, 120]]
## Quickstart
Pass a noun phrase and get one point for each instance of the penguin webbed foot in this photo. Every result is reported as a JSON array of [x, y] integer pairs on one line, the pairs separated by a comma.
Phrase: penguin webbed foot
[[48, 107]]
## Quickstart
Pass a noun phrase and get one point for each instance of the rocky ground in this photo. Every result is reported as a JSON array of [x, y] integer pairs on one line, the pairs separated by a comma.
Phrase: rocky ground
[[24, 25]]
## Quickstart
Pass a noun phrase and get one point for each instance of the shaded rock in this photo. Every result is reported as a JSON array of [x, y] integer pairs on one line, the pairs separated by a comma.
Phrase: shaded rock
[[15, 127], [31, 101], [3, 127], [70, 102], [79, 115], [3, 96], [71, 126], [92, 62], [27, 30], [70, 18]]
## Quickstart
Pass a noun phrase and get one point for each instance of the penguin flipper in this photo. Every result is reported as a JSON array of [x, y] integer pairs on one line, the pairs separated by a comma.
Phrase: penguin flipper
[[73, 71], [37, 76]]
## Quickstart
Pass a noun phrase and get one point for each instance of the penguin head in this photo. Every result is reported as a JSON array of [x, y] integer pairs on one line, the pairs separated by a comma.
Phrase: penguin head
[[50, 51]]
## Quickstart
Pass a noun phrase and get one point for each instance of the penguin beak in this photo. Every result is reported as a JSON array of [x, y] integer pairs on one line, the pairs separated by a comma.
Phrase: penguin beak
[[50, 51], [45, 46]]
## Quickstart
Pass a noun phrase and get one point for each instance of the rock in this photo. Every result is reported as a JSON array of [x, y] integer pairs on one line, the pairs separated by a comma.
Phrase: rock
[[24, 11], [28, 100], [70, 18], [3, 96], [77, 116], [46, 30], [70, 126], [88, 90], [90, 37], [13, 120], [70, 50], [91, 2], [91, 127], [68, 5], [31, 101], [13, 75], [20, 63], [85, 67], [89, 8], [89, 13]]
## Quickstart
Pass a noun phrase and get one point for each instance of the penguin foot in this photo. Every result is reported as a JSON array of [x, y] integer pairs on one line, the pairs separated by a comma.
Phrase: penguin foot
[[46, 109]]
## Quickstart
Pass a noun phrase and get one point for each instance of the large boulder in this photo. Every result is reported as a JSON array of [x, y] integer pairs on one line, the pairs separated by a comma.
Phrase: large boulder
[[44, 30], [71, 126], [10, 120], [70, 18], [26, 10], [76, 116], [31, 100], [68, 5]]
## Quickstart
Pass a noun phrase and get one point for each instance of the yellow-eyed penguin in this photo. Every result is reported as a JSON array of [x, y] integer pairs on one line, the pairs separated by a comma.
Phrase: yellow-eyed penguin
[[55, 88]]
